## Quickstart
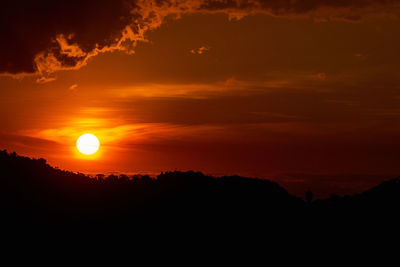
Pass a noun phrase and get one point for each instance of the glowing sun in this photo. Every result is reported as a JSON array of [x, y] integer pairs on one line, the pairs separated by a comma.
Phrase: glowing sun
[[88, 144]]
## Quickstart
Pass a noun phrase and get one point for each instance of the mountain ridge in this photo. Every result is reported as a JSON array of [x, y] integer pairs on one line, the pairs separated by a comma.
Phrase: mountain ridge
[[33, 191]]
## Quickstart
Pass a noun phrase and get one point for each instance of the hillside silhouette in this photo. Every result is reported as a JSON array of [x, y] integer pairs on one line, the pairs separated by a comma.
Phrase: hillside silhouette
[[35, 194]]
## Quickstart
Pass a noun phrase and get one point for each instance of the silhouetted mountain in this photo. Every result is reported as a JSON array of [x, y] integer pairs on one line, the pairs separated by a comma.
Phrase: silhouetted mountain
[[35, 194], [381, 200]]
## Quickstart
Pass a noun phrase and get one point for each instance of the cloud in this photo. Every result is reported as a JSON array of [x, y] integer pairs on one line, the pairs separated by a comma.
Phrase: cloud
[[28, 144], [200, 51], [42, 37], [73, 87], [45, 36]]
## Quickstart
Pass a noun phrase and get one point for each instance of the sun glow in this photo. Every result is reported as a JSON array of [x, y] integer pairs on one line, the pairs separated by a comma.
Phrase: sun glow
[[88, 144]]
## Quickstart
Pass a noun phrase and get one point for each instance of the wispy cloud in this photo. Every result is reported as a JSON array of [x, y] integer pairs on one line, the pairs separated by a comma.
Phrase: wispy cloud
[[200, 51], [73, 87]]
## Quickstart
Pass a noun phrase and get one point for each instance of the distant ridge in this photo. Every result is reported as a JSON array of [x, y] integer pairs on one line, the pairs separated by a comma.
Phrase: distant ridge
[[34, 193]]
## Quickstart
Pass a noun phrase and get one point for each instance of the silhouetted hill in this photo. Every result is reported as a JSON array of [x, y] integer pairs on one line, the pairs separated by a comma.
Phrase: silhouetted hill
[[34, 194], [381, 200]]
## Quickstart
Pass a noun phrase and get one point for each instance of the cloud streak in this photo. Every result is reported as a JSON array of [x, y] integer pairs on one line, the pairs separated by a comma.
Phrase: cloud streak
[[42, 37]]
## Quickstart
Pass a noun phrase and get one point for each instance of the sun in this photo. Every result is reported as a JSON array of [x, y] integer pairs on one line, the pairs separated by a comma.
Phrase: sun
[[88, 144]]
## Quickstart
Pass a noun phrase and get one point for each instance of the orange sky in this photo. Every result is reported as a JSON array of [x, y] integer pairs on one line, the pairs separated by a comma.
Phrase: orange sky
[[299, 96]]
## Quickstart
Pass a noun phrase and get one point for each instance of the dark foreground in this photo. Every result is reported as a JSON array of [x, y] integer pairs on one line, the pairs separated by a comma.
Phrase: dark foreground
[[36, 196]]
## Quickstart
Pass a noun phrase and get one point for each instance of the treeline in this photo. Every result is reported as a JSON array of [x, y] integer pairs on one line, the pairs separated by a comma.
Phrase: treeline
[[34, 193]]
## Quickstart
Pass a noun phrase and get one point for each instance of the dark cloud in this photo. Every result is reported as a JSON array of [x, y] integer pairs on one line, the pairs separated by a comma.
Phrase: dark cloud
[[29, 28], [17, 142], [44, 36]]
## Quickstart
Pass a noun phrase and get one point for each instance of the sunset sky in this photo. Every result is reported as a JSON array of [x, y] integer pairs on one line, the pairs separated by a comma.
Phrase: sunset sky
[[306, 93]]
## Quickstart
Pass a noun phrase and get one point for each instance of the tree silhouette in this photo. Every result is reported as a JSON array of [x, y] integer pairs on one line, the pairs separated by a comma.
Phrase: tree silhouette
[[34, 194], [309, 196]]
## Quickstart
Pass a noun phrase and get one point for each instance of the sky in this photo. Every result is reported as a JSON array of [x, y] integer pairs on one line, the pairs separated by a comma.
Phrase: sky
[[305, 93]]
